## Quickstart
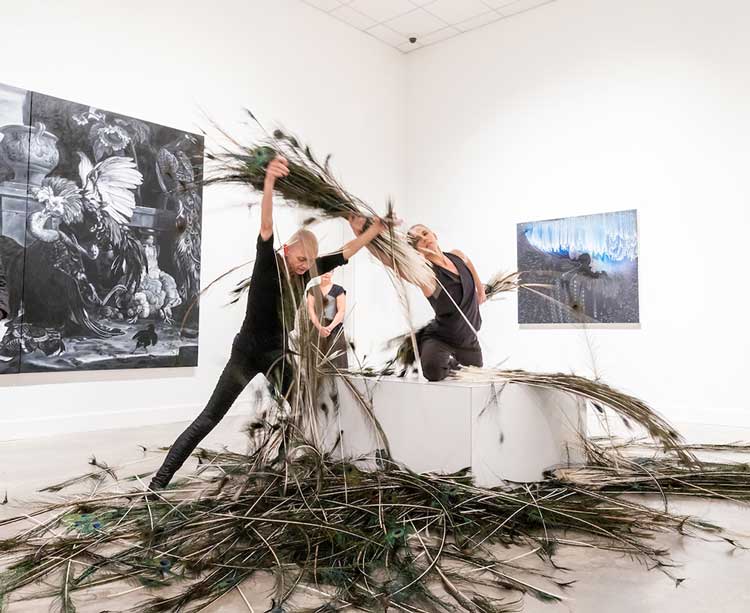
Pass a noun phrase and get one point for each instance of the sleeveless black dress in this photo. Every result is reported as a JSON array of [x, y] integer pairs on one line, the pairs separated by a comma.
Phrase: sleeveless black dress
[[449, 326], [336, 342]]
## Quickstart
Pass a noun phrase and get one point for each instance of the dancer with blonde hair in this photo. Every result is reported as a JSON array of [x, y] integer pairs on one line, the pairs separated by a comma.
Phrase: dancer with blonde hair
[[450, 340], [276, 290]]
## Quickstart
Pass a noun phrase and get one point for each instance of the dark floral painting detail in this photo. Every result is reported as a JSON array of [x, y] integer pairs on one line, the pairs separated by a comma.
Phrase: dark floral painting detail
[[100, 234]]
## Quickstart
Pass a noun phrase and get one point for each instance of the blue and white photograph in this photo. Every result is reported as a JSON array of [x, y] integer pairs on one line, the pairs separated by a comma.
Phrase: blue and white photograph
[[579, 270]]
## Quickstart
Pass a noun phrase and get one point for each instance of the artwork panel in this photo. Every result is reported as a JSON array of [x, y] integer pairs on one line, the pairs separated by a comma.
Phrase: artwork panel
[[579, 270], [112, 241], [15, 147]]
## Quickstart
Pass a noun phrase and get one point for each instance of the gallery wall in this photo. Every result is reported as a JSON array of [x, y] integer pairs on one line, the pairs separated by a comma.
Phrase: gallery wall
[[588, 106], [186, 64]]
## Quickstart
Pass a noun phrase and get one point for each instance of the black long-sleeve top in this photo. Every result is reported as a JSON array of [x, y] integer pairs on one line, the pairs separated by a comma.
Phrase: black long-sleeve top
[[274, 296]]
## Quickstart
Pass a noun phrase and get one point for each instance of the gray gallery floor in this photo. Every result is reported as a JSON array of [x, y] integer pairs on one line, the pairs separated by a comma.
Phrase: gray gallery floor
[[717, 579]]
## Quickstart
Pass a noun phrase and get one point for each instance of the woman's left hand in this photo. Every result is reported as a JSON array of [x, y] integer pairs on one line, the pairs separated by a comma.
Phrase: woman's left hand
[[381, 224]]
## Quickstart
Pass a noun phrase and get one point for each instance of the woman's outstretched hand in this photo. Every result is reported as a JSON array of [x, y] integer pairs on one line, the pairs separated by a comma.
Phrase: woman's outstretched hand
[[363, 236], [357, 223], [277, 168]]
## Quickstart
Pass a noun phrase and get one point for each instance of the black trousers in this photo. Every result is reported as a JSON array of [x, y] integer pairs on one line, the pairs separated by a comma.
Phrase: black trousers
[[239, 371], [439, 358]]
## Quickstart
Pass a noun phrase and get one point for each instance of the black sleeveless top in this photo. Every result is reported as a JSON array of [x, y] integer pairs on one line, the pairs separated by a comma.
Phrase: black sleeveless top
[[326, 305], [449, 325]]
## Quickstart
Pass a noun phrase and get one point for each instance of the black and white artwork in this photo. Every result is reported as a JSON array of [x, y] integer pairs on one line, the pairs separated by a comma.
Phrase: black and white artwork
[[579, 270], [100, 234]]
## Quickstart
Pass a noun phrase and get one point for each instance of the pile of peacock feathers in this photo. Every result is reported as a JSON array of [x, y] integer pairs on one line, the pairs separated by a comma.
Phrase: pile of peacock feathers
[[372, 539]]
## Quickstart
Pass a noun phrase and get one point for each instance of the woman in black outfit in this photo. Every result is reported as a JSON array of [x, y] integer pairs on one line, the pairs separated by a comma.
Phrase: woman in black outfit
[[276, 290], [450, 339], [326, 306]]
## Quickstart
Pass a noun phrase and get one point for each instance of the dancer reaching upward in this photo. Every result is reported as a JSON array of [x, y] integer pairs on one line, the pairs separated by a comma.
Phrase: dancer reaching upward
[[275, 292]]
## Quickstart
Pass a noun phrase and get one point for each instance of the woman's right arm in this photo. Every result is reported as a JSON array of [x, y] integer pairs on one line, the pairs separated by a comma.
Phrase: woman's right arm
[[277, 168], [357, 224]]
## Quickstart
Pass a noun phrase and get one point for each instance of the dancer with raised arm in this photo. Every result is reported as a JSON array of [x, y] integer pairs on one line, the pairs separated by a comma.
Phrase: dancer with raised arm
[[276, 290]]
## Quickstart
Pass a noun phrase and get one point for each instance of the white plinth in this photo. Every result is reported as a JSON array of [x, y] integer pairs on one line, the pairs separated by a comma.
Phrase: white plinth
[[504, 433]]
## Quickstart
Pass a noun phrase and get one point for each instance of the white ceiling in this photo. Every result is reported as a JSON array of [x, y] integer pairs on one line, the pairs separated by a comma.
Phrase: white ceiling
[[430, 21]]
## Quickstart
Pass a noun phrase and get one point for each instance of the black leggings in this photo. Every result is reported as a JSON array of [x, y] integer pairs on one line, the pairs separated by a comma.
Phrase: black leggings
[[439, 358], [239, 371]]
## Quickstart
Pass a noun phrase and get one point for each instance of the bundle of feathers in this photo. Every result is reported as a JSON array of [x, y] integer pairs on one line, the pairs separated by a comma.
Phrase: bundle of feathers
[[312, 185]]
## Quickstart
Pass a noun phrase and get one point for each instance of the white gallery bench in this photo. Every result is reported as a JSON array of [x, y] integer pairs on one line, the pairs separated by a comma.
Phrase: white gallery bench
[[510, 432]]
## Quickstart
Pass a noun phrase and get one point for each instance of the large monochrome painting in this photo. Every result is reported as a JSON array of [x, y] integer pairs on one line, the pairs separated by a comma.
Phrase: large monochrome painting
[[579, 270], [100, 234]]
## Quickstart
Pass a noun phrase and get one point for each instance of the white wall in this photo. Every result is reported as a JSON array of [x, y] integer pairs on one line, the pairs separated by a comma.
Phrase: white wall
[[177, 62], [585, 106]]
